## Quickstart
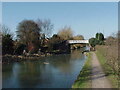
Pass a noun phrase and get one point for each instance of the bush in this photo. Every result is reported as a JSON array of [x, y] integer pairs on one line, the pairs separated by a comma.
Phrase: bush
[[7, 44], [18, 49], [99, 40], [101, 43], [93, 42], [54, 42]]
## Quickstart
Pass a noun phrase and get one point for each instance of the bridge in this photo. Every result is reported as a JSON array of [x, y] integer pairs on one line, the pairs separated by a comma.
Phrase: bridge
[[72, 42], [78, 41]]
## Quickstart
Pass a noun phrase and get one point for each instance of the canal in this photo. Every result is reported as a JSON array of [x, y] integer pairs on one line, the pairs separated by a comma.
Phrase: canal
[[57, 71]]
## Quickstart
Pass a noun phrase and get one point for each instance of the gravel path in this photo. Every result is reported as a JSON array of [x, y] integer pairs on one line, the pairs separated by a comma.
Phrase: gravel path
[[99, 79]]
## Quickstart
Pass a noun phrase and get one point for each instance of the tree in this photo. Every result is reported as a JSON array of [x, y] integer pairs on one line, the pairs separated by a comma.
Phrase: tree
[[42, 40], [93, 42], [54, 41], [66, 33], [28, 33], [5, 30], [18, 47], [111, 40], [46, 27], [99, 36], [7, 42], [78, 37]]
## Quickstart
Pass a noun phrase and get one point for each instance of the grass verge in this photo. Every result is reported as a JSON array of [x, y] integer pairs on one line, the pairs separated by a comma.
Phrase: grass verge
[[112, 77], [84, 78]]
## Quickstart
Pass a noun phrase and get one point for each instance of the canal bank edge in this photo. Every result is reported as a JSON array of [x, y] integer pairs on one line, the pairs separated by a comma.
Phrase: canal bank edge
[[84, 78]]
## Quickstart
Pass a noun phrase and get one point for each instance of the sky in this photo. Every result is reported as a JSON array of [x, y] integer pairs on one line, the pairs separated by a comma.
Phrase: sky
[[0, 12], [85, 18]]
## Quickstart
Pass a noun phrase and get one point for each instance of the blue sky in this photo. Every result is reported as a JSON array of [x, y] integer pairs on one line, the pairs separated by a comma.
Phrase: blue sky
[[0, 12], [85, 18]]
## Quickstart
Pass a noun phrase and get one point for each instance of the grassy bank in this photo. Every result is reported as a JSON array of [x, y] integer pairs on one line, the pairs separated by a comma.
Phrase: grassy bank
[[84, 78], [111, 75]]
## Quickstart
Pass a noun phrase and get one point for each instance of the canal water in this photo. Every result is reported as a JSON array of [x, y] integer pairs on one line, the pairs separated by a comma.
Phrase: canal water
[[57, 71]]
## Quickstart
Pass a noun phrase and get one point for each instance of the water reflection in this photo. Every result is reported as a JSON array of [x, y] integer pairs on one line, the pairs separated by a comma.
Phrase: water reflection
[[29, 74], [75, 55], [61, 71]]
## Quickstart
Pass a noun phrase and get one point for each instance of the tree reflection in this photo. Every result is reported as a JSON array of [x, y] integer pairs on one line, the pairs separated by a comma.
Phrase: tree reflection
[[28, 74], [7, 70], [32, 74], [76, 54], [64, 62]]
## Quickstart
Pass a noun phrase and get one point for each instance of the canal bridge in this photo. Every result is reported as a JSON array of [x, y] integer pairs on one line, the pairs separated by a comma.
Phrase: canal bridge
[[78, 41], [72, 42]]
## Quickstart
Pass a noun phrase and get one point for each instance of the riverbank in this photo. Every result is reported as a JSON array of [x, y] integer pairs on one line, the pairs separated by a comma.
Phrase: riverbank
[[96, 71], [110, 74], [17, 58], [84, 78]]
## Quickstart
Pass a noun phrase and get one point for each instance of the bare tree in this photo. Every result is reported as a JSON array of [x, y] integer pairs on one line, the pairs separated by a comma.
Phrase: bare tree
[[4, 30], [7, 40], [66, 33], [78, 37], [46, 26], [28, 33]]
